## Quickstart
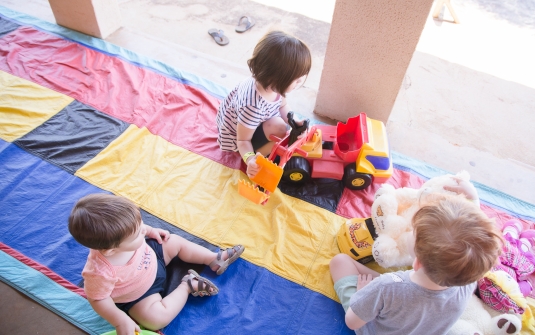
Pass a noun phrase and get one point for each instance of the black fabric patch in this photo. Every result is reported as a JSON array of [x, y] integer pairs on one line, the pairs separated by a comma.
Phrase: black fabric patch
[[7, 26], [176, 269], [322, 192], [156, 222], [73, 136]]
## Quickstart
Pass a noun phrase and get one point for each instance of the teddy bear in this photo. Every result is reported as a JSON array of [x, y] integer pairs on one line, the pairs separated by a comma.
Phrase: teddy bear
[[502, 308], [479, 319], [392, 212]]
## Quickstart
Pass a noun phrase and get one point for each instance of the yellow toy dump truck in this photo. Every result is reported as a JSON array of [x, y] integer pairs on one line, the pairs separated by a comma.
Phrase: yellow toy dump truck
[[355, 238]]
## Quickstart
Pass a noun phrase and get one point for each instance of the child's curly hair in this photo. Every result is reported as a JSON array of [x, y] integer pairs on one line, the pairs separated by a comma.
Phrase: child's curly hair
[[456, 243]]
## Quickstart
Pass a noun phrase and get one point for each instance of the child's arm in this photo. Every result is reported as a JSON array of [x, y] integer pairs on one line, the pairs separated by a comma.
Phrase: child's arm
[[123, 324], [284, 109], [352, 319], [353, 322], [158, 234], [244, 136]]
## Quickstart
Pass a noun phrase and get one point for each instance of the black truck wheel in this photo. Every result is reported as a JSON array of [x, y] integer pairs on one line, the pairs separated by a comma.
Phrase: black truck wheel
[[296, 171], [354, 180]]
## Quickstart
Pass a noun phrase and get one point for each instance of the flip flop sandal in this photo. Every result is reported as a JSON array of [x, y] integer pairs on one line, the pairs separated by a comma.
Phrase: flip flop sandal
[[245, 24], [203, 285], [219, 36], [233, 254]]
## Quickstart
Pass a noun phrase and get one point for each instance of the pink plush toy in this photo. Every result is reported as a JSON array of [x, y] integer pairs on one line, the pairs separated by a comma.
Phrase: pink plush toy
[[518, 258]]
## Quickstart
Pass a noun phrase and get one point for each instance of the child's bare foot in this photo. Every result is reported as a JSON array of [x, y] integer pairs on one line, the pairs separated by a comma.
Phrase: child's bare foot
[[226, 257], [199, 286]]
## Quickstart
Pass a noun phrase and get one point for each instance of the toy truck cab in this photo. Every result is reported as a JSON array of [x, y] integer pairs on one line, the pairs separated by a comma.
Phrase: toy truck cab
[[363, 141]]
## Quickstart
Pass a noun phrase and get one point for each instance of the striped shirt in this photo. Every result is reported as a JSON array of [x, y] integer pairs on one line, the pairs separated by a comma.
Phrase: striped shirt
[[246, 106]]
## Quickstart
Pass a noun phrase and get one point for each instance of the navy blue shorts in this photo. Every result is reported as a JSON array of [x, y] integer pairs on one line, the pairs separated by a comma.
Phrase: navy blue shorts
[[259, 138], [159, 282]]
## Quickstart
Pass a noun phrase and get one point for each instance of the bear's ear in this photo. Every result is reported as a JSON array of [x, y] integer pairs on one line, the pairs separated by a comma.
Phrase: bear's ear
[[463, 175]]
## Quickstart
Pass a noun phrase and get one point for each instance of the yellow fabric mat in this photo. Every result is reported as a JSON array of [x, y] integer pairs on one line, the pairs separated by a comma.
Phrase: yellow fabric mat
[[25, 106], [288, 236]]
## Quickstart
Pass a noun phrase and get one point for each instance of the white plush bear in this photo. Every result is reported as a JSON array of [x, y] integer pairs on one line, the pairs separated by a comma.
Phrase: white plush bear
[[392, 212], [479, 319]]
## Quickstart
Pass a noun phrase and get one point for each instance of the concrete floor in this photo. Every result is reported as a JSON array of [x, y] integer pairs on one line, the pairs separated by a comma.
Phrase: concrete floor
[[467, 101]]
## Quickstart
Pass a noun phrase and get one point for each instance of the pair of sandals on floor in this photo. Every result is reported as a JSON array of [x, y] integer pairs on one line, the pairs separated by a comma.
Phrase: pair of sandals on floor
[[204, 286], [244, 24]]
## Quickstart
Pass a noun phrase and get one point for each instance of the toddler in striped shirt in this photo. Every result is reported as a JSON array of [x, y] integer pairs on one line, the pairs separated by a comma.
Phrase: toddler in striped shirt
[[257, 108]]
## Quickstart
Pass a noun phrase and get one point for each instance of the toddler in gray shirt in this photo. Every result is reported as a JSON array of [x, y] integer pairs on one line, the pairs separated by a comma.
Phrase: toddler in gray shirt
[[455, 245]]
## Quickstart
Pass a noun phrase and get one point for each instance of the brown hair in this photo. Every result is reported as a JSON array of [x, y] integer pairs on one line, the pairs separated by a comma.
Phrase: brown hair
[[279, 59], [103, 221], [456, 243]]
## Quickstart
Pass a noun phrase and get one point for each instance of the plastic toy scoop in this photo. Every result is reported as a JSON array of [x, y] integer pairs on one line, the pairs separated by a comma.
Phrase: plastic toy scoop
[[268, 178]]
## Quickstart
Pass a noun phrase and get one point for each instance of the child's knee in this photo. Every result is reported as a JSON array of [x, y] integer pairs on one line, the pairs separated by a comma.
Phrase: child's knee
[[275, 126], [340, 260], [158, 321], [173, 241], [172, 246], [282, 129]]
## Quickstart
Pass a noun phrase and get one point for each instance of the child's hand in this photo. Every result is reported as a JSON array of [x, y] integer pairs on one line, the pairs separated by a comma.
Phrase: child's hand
[[252, 167], [364, 280], [127, 327], [159, 235], [463, 187], [298, 122]]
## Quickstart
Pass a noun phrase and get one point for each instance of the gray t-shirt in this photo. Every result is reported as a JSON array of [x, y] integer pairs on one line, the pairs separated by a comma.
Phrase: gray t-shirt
[[393, 304]]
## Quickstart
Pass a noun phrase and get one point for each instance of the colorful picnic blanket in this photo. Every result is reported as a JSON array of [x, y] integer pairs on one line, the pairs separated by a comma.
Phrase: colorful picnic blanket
[[79, 115]]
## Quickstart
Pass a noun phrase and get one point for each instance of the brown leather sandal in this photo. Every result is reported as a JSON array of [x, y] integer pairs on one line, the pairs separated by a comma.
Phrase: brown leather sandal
[[233, 254], [204, 286]]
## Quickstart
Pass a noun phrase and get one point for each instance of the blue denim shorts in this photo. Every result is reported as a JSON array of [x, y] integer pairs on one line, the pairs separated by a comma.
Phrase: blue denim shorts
[[159, 282]]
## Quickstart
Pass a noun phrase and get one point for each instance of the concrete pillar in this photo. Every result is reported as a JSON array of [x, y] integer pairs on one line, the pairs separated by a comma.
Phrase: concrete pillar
[[97, 18], [369, 49]]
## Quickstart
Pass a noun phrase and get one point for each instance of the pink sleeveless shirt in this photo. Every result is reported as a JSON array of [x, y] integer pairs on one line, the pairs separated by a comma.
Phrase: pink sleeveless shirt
[[123, 283]]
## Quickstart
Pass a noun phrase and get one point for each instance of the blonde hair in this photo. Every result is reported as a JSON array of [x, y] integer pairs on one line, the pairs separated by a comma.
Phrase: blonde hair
[[279, 59], [103, 221], [456, 243]]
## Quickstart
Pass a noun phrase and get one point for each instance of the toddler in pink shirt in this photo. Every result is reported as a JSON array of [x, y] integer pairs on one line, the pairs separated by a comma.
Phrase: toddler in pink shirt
[[125, 271]]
